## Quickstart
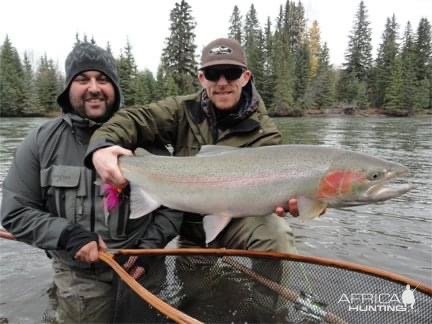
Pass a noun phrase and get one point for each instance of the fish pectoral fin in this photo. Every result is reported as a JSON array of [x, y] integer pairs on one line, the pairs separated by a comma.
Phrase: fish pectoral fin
[[213, 225], [141, 203], [310, 209]]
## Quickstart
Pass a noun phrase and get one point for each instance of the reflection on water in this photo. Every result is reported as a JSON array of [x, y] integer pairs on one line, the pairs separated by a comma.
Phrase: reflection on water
[[395, 235]]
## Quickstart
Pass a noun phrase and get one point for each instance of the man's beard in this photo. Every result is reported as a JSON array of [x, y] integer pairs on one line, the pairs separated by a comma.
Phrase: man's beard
[[80, 109]]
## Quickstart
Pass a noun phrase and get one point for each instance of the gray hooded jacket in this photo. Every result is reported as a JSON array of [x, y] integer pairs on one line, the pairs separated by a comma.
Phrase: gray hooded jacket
[[48, 189]]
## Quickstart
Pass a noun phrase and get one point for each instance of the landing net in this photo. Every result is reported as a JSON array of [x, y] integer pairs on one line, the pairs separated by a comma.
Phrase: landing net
[[230, 286]]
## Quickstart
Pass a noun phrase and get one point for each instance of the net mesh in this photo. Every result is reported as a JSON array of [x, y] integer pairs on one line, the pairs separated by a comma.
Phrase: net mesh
[[246, 289]]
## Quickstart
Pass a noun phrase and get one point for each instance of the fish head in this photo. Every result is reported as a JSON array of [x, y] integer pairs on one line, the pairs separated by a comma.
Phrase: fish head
[[358, 179]]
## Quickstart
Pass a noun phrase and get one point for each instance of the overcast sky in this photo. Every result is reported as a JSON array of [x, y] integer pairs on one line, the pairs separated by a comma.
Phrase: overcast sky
[[49, 26]]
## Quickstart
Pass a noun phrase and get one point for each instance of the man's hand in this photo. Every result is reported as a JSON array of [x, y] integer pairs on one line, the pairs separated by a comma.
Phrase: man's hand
[[90, 252], [291, 208], [6, 235], [133, 268], [134, 265], [105, 161]]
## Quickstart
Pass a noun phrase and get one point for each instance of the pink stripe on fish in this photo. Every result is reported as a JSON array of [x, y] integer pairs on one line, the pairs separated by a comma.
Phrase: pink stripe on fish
[[214, 181]]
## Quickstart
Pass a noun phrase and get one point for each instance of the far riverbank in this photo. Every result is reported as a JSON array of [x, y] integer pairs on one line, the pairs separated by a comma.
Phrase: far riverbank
[[328, 112], [350, 111]]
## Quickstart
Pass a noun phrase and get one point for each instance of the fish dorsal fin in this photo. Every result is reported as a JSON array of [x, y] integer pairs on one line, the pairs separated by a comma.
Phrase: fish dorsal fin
[[140, 152], [141, 203], [213, 225], [208, 150]]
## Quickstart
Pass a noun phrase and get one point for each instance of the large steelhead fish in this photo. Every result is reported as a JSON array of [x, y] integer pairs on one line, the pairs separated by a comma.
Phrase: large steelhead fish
[[225, 182]]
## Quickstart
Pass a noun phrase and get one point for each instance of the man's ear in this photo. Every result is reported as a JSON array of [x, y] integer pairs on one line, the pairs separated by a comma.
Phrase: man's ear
[[246, 76], [202, 79]]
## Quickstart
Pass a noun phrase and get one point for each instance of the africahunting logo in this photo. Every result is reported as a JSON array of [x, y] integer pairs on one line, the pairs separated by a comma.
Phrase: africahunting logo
[[383, 302]]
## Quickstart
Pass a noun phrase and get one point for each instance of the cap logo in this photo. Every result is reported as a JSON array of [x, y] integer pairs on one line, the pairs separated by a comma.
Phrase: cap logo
[[221, 50]]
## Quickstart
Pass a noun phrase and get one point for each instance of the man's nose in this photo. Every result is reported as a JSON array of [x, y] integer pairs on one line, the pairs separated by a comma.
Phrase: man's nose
[[93, 86], [222, 80]]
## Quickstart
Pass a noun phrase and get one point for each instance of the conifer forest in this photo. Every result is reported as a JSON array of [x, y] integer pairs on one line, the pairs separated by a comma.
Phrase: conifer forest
[[290, 64]]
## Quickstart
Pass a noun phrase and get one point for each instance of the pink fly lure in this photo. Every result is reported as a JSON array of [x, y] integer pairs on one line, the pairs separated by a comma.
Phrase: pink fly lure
[[112, 196]]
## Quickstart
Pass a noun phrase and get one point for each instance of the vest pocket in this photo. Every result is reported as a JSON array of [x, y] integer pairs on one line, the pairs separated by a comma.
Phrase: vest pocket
[[70, 192], [64, 192]]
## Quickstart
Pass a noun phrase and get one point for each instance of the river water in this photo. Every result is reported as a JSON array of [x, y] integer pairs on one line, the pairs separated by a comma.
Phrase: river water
[[395, 235]]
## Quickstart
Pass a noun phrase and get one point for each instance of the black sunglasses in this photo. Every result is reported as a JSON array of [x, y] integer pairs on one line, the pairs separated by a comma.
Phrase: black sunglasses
[[230, 74]]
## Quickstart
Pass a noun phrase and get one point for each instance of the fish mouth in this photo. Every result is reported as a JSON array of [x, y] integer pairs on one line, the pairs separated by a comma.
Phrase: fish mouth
[[384, 191], [387, 187]]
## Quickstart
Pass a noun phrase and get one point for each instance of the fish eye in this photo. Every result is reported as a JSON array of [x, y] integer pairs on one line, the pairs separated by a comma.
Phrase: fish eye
[[375, 175]]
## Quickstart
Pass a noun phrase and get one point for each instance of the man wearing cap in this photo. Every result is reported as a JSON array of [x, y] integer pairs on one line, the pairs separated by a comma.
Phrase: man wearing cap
[[227, 111], [51, 201]]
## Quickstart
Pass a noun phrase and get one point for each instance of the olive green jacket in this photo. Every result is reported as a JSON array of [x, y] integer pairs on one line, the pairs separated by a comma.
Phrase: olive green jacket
[[182, 123], [186, 123]]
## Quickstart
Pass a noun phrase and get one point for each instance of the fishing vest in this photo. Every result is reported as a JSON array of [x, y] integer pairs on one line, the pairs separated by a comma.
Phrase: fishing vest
[[71, 191]]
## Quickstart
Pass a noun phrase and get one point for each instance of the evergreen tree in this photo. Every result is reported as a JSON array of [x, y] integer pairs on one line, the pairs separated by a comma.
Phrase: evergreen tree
[[353, 84], [159, 91], [283, 102], [428, 82], [30, 98], [293, 36], [386, 60], [393, 97], [235, 28], [424, 93], [351, 91], [12, 87], [423, 53], [165, 84], [47, 85], [423, 48], [302, 72], [127, 74], [269, 77], [178, 57], [362, 100], [408, 91], [170, 86], [359, 54], [260, 59], [323, 84], [314, 49], [294, 26], [145, 87], [254, 47]]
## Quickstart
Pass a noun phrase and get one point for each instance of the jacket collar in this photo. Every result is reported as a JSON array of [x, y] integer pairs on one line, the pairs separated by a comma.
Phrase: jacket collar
[[75, 120], [202, 108], [243, 120]]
